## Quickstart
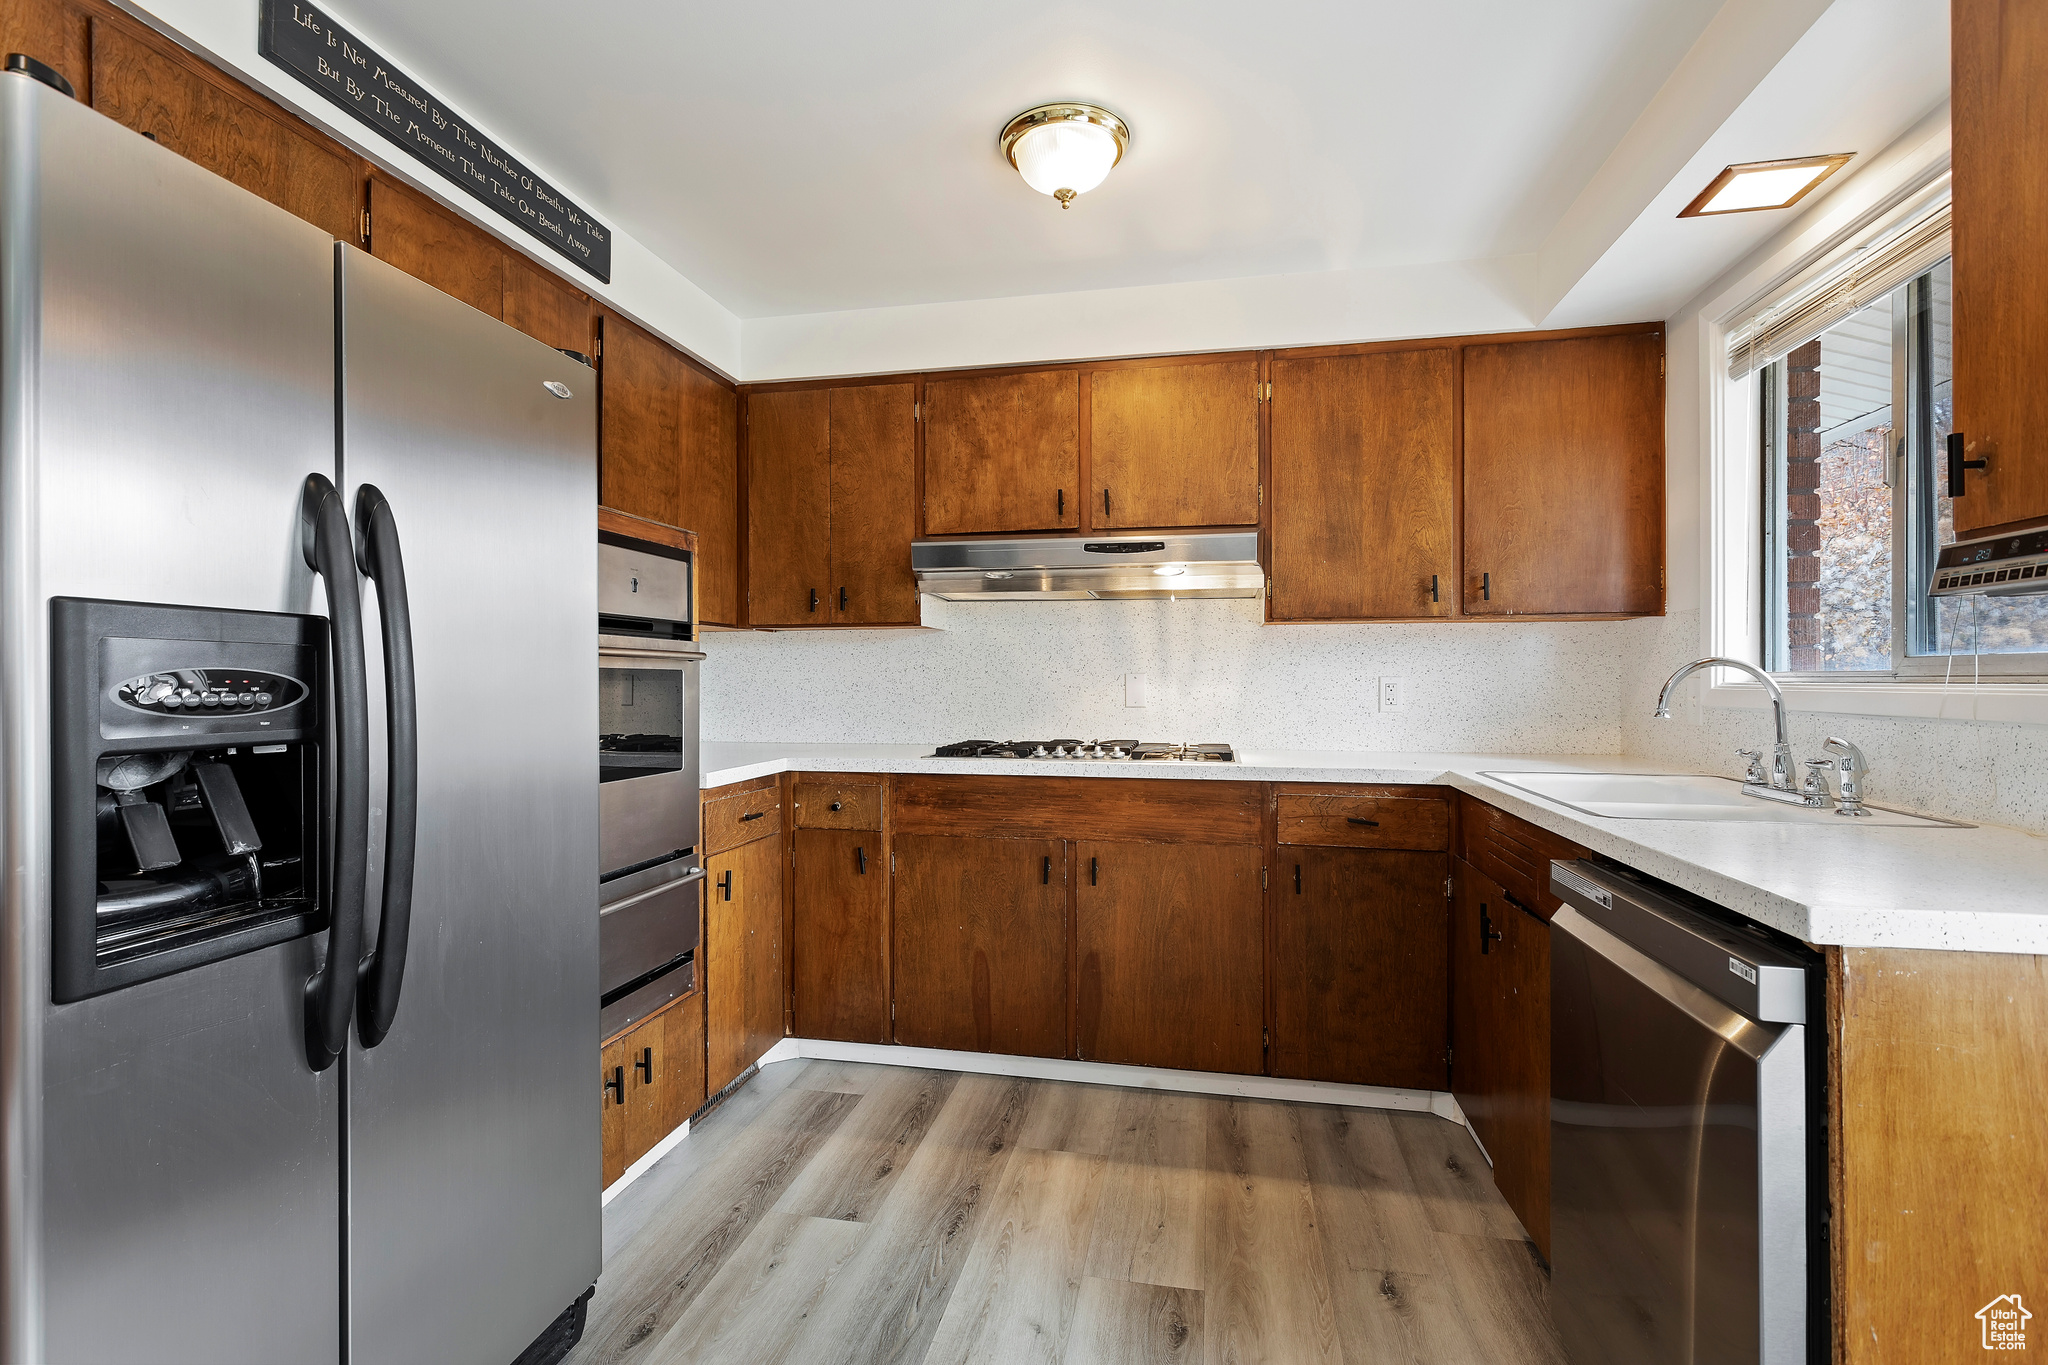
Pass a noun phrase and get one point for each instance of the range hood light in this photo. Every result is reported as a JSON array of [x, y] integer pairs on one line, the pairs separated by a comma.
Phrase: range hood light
[[1170, 570], [999, 573]]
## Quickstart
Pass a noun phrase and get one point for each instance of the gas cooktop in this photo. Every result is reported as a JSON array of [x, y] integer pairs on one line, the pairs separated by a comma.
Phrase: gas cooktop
[[1088, 750]]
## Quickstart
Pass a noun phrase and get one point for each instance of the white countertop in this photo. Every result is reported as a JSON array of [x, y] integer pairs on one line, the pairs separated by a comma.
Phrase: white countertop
[[1983, 889]]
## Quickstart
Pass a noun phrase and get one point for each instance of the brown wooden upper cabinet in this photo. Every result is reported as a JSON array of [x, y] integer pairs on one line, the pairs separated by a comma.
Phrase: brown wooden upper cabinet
[[171, 97], [1564, 476], [545, 308], [55, 34], [708, 490], [1999, 135], [831, 499], [1363, 471], [1174, 443], [427, 242], [1002, 452], [639, 412]]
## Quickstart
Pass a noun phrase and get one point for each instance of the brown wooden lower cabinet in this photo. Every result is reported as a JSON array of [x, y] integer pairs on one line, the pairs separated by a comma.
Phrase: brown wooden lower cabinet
[[742, 959], [980, 944], [1169, 941], [840, 890], [1500, 1039], [653, 1079], [1359, 969]]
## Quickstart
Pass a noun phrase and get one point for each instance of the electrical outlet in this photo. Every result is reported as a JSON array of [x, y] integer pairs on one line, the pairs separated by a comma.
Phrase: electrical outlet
[[1137, 690], [1393, 693]]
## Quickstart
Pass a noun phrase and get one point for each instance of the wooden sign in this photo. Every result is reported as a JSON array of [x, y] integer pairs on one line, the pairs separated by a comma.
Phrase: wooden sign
[[303, 40]]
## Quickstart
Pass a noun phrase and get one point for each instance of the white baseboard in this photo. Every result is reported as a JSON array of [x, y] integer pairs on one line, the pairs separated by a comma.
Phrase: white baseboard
[[644, 1164], [1438, 1102]]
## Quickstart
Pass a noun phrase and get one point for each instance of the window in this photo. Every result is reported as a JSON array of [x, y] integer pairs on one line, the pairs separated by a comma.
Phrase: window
[[1854, 509]]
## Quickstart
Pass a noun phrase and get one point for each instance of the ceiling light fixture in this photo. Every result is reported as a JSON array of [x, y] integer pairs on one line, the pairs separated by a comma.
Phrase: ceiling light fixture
[[1755, 185], [1064, 149]]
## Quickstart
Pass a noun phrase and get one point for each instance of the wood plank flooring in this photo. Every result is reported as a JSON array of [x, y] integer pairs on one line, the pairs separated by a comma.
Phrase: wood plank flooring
[[835, 1212]]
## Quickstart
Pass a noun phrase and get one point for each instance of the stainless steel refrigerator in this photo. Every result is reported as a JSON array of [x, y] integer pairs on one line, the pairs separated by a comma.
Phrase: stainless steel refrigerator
[[299, 820]]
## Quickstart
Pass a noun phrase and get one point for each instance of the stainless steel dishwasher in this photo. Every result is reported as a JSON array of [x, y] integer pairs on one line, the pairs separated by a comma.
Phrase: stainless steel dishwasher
[[1685, 1129]]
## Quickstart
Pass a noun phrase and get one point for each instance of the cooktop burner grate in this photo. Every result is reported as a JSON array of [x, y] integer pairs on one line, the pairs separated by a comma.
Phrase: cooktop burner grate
[[1089, 750]]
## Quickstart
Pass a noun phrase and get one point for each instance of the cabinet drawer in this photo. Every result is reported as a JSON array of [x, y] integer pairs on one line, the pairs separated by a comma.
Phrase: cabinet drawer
[[1407, 822], [742, 818], [1514, 853], [822, 803]]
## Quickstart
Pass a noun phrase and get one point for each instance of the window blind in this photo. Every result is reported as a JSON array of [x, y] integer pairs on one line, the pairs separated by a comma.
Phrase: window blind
[[1819, 304]]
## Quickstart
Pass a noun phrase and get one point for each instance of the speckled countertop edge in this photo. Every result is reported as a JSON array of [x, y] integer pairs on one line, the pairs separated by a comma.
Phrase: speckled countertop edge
[[1982, 889]]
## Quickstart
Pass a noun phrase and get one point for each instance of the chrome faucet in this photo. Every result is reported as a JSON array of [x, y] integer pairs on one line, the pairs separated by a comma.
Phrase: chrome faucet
[[1851, 764], [1777, 784]]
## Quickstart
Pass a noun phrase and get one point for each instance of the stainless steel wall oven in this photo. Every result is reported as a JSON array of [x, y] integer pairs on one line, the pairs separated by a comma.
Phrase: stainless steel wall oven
[[647, 777]]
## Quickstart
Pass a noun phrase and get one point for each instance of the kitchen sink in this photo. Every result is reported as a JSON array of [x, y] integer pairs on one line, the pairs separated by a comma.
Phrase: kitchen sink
[[1691, 796]]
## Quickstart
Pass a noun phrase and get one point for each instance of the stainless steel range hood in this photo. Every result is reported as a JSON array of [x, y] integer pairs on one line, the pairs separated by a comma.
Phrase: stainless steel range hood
[[1076, 568]]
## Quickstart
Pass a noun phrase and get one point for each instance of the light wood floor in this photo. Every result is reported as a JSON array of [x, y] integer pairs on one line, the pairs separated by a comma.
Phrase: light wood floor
[[833, 1212]]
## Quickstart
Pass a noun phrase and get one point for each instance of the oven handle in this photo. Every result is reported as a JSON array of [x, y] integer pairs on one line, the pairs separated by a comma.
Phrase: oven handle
[[695, 874], [609, 653]]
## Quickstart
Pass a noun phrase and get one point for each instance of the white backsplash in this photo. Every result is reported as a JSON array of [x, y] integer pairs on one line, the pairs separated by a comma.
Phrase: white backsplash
[[1991, 771], [1056, 669]]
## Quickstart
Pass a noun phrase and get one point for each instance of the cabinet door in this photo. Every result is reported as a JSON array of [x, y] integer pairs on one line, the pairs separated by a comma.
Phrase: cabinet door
[[1477, 902], [612, 1096], [1564, 476], [980, 944], [1359, 969], [708, 490], [54, 33], [545, 307], [1999, 123], [742, 976], [1171, 947], [1002, 452], [200, 117], [429, 243], [638, 384], [1364, 495], [650, 1091], [840, 888], [874, 504], [1175, 445], [789, 519], [683, 1071], [1500, 1040]]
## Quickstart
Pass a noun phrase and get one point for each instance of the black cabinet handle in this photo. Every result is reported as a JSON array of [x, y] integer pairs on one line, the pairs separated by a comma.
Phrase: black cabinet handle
[[615, 1085], [842, 599], [757, 814], [1094, 869], [331, 991], [1488, 935], [1045, 876], [1105, 502], [814, 599], [645, 1066], [725, 884], [1486, 587], [834, 806], [382, 974], [1297, 879], [1432, 589], [1957, 449], [1361, 820], [1063, 504], [860, 860]]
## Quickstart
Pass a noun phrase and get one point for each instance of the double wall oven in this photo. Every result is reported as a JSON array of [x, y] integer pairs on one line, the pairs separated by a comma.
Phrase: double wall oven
[[650, 863]]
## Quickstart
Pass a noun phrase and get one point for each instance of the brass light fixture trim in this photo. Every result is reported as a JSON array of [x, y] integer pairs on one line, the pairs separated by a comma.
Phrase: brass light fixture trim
[[1064, 111], [1829, 164]]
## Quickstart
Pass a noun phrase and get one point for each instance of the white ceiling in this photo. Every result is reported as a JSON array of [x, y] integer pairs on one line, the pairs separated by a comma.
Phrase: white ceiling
[[810, 157]]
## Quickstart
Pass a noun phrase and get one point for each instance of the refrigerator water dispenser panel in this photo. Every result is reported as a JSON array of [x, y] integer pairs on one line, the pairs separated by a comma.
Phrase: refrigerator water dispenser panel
[[186, 822]]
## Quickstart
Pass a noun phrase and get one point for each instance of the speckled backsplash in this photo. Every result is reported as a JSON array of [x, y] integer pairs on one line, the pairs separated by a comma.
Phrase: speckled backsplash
[[1216, 673]]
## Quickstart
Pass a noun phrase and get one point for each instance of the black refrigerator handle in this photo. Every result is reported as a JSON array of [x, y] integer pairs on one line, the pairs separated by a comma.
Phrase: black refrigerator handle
[[383, 971], [330, 992]]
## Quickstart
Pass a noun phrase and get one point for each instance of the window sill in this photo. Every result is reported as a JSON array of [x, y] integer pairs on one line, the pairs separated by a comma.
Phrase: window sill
[[1906, 698]]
